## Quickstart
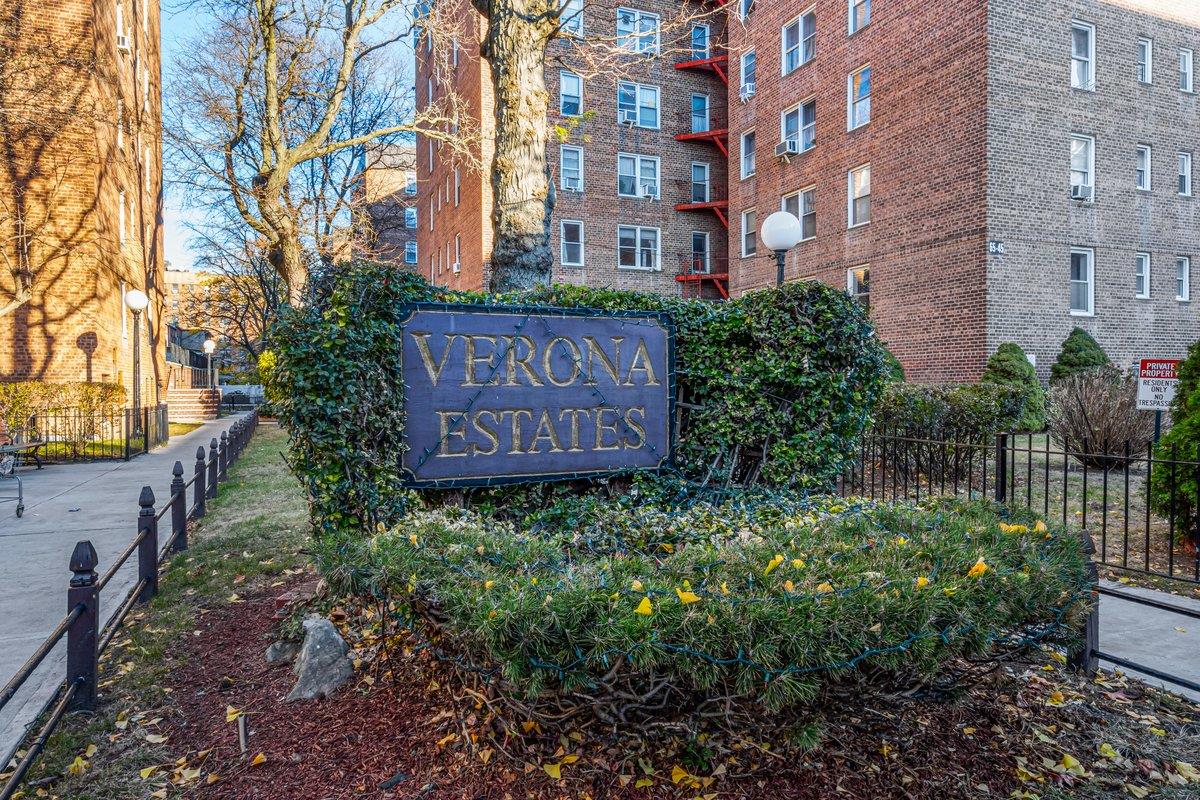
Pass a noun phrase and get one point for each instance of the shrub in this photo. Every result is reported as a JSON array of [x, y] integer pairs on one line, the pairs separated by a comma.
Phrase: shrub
[[22, 400], [1079, 353], [966, 412], [624, 606], [777, 386], [1094, 413], [895, 370], [1173, 489], [1009, 366]]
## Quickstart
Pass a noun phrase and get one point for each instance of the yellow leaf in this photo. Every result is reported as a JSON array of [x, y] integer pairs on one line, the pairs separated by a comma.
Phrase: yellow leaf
[[1107, 750], [233, 598], [824, 586], [553, 770], [1055, 699], [261, 758], [569, 759], [1040, 527], [1136, 791], [77, 766], [445, 740], [637, 586], [798, 563], [978, 570], [1158, 731], [412, 537], [212, 778], [788, 586], [485, 755], [687, 598], [773, 563], [724, 588], [148, 771], [922, 581], [900, 540], [90, 751], [489, 584], [678, 773], [159, 795], [950, 591], [1188, 771], [154, 738], [642, 783], [231, 713], [644, 608], [190, 775]]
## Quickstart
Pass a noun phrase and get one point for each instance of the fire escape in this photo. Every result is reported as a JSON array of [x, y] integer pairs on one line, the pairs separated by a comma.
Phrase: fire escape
[[700, 274]]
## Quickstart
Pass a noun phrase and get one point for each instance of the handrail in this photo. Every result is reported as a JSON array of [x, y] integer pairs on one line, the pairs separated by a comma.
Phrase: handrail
[[114, 622], [121, 559]]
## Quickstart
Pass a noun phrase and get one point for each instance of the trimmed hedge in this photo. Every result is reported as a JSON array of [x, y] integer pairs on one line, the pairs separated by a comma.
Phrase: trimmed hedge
[[776, 386], [1010, 366], [951, 412], [768, 602], [21, 400], [1079, 353]]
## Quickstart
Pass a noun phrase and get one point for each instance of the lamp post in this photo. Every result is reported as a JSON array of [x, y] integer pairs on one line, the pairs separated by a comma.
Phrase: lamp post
[[137, 301], [209, 346], [781, 232]]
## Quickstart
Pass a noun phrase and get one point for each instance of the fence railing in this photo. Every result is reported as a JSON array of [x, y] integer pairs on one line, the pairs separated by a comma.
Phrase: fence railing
[[182, 376], [86, 637], [69, 435]]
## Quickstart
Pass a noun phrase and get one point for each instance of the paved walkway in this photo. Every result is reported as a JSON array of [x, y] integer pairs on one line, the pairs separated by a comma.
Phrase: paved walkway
[[1158, 639], [64, 504]]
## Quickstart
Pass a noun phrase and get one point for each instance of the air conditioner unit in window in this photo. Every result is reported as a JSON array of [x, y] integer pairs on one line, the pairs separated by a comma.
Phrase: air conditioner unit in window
[[650, 191], [456, 267], [746, 92], [1082, 192], [628, 117], [572, 187], [787, 148], [122, 43]]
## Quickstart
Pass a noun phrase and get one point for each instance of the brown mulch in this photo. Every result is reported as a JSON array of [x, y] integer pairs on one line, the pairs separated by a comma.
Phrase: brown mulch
[[401, 731]]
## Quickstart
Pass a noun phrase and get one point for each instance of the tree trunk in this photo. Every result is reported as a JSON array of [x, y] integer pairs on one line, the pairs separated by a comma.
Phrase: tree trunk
[[515, 47]]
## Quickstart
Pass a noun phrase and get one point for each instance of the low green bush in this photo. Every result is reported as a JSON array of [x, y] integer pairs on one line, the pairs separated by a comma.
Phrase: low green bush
[[1009, 366], [621, 603], [1173, 490], [1079, 353], [22, 400], [950, 412]]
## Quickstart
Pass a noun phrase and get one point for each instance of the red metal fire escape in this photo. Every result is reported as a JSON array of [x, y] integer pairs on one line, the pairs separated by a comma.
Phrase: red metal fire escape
[[695, 276]]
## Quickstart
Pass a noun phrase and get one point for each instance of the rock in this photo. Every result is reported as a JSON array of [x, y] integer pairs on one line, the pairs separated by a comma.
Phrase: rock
[[282, 652], [322, 664]]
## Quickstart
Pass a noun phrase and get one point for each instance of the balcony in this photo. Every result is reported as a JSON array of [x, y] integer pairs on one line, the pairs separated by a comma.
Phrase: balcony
[[718, 65], [704, 276]]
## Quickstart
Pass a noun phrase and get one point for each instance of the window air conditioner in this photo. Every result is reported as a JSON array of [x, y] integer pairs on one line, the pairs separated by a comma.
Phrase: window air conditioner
[[746, 92], [787, 148], [456, 267], [628, 117], [1081, 192], [122, 43], [650, 191]]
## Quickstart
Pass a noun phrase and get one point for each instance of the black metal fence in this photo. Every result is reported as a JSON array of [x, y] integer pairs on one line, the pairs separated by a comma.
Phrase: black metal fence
[[86, 635], [68, 435]]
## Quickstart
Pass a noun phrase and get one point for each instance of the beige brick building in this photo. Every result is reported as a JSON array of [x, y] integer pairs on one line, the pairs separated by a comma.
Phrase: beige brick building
[[81, 191]]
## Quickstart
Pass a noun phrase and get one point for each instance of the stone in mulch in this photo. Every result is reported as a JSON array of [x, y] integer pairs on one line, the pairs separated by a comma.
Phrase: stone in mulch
[[323, 663]]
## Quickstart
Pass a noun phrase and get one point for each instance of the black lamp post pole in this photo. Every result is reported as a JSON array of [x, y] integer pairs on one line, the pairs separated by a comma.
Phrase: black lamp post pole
[[780, 259], [137, 372]]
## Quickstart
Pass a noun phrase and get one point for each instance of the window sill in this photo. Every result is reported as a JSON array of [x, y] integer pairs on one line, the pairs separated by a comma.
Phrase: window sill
[[858, 225], [1083, 313], [565, 265], [1183, 299], [639, 269], [1141, 297], [855, 128]]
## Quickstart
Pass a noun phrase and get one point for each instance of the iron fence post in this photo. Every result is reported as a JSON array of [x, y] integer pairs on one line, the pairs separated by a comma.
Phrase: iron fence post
[[1083, 658], [128, 430], [147, 529], [201, 490], [212, 468], [1001, 467], [223, 453], [178, 510], [146, 429], [82, 635]]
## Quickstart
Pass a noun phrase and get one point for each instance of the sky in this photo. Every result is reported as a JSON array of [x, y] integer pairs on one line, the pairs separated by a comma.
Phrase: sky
[[179, 25]]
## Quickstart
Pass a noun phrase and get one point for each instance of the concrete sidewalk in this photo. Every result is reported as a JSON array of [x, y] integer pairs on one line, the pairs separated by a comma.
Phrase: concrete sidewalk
[[1158, 639], [64, 504]]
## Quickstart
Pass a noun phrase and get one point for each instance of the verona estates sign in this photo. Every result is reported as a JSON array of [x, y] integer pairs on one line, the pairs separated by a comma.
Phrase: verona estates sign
[[504, 394]]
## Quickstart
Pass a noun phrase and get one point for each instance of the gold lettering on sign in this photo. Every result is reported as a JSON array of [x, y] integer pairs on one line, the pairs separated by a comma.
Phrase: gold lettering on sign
[[574, 414], [573, 354], [512, 360], [641, 356], [637, 427], [545, 432], [435, 372], [492, 436], [594, 349], [515, 418], [446, 419], [473, 360], [602, 428]]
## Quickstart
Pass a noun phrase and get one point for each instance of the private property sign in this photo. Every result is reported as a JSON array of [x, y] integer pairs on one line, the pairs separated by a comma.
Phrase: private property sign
[[506, 394], [1157, 378]]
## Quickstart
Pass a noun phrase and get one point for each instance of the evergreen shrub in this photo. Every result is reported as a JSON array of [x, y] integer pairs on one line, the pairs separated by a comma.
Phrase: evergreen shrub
[[1173, 489], [951, 412], [1009, 366], [1079, 353]]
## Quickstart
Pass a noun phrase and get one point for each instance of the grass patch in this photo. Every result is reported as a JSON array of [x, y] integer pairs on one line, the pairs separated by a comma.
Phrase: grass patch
[[181, 428], [250, 538]]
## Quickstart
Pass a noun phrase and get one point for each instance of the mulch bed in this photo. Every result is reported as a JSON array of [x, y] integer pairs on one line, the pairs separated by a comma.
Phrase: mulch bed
[[405, 735]]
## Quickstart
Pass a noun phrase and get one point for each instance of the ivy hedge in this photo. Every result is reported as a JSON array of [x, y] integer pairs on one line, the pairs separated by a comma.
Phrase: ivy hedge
[[776, 387]]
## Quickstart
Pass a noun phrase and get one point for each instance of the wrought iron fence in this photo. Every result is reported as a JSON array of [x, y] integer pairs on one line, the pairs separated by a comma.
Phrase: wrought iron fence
[[67, 435], [87, 636]]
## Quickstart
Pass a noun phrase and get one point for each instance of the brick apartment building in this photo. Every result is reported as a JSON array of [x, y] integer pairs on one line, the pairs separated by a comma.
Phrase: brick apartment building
[[982, 170], [81, 191], [386, 202], [640, 173]]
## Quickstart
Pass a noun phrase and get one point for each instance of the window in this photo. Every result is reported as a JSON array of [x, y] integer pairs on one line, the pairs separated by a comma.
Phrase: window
[[798, 39], [1186, 82], [1083, 56], [700, 252], [457, 185], [749, 233], [637, 31], [700, 41], [860, 15], [430, 212], [859, 192], [571, 18], [570, 235], [410, 252], [124, 312], [858, 284], [700, 183], [858, 102], [571, 168], [745, 8], [1141, 275], [1082, 284], [429, 142], [410, 217], [637, 248], [700, 122], [1144, 162], [410, 183], [747, 154], [637, 103], [570, 94], [121, 216], [802, 205], [799, 124], [1083, 167], [637, 176], [1145, 60], [1183, 279], [747, 87], [1185, 174]]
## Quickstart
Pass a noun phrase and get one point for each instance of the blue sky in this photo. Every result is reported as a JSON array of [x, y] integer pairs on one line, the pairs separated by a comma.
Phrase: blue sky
[[179, 25]]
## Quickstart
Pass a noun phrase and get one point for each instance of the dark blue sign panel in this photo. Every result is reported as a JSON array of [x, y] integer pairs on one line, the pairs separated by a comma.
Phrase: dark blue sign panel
[[505, 394]]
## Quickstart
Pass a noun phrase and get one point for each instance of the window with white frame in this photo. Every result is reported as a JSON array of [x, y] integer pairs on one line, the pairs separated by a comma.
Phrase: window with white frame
[[1183, 279], [1141, 276], [799, 124], [430, 212], [571, 18], [429, 144], [749, 65], [701, 258], [1083, 56], [747, 154], [637, 176], [457, 185], [410, 182], [1144, 170], [699, 41], [1185, 174], [700, 183], [637, 247], [860, 15], [749, 233], [1082, 280], [571, 168], [637, 31], [637, 103], [1145, 60], [802, 205], [798, 40], [1186, 77], [858, 284], [124, 312], [859, 196], [745, 8], [858, 98], [1083, 167], [570, 94], [410, 252], [700, 113], [410, 217], [570, 237]]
